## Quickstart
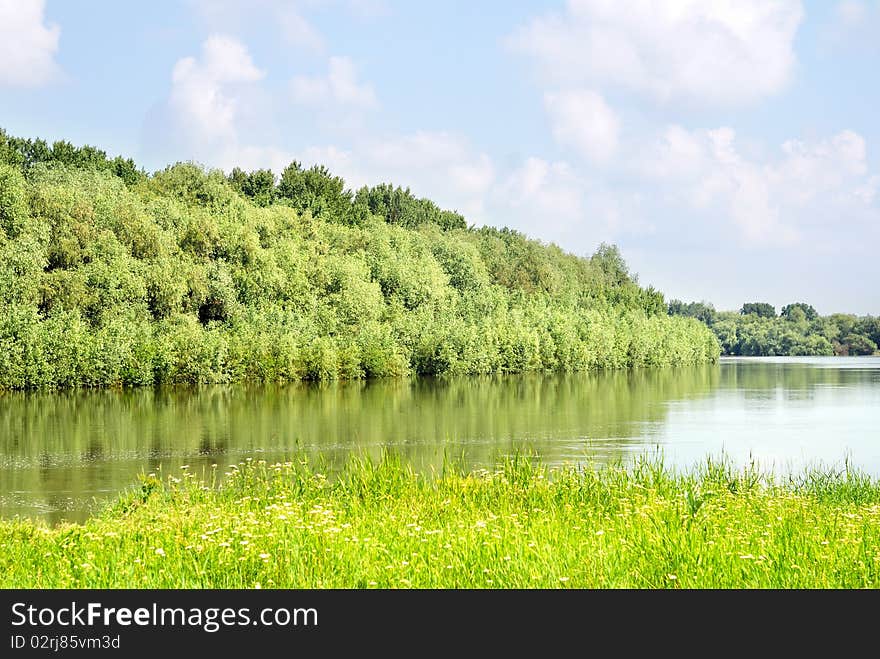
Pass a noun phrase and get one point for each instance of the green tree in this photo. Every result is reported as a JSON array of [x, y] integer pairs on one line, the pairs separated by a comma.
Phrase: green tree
[[702, 311], [26, 154], [761, 309], [859, 344], [13, 201], [808, 311], [110, 277], [315, 190], [609, 260], [259, 185], [399, 206], [870, 327]]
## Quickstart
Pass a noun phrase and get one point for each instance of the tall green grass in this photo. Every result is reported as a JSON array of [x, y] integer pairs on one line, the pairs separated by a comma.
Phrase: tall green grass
[[379, 524]]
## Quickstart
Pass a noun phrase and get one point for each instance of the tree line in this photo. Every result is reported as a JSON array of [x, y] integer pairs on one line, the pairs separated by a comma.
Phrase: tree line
[[757, 330], [110, 276]]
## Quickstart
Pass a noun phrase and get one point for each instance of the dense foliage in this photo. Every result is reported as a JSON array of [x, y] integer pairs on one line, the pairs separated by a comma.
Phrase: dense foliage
[[109, 276], [756, 330]]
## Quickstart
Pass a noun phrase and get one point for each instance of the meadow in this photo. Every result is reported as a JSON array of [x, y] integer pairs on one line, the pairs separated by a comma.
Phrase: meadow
[[379, 524]]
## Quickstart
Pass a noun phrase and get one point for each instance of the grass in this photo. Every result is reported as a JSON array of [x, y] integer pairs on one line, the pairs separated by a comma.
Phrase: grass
[[381, 525]]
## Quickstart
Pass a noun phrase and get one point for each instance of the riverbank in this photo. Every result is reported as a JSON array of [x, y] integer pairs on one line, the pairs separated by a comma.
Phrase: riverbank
[[380, 525]]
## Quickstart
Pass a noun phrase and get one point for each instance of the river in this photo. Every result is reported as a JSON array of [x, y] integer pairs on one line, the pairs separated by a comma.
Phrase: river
[[62, 455]]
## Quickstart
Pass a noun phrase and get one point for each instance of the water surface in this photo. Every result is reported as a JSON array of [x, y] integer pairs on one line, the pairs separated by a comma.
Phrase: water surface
[[63, 454]]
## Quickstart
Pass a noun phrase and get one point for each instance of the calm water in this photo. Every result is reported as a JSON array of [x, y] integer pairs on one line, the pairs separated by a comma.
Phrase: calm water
[[63, 454]]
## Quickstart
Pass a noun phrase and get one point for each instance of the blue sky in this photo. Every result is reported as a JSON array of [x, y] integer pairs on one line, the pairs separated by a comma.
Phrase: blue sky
[[730, 148]]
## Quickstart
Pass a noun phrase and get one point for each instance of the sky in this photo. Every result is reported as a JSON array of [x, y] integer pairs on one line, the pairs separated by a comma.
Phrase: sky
[[728, 147]]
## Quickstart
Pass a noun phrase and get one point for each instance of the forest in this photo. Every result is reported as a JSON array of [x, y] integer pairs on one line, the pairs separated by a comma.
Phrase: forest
[[110, 276], [757, 330]]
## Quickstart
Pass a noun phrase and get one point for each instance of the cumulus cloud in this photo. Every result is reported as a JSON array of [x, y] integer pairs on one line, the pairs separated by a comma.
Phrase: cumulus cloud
[[442, 166], [436, 164], [27, 44], [219, 113], [204, 99], [583, 120], [715, 52], [543, 189], [806, 187], [339, 88], [558, 202]]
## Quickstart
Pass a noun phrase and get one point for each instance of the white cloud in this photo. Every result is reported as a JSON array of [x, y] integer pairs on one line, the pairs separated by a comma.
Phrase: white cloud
[[27, 44], [810, 170], [441, 166], [284, 16], [851, 13], [807, 187], [545, 190], [555, 201], [545, 194], [705, 51], [582, 119], [855, 25], [297, 30], [421, 148], [867, 192], [340, 87], [218, 113], [203, 93]]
